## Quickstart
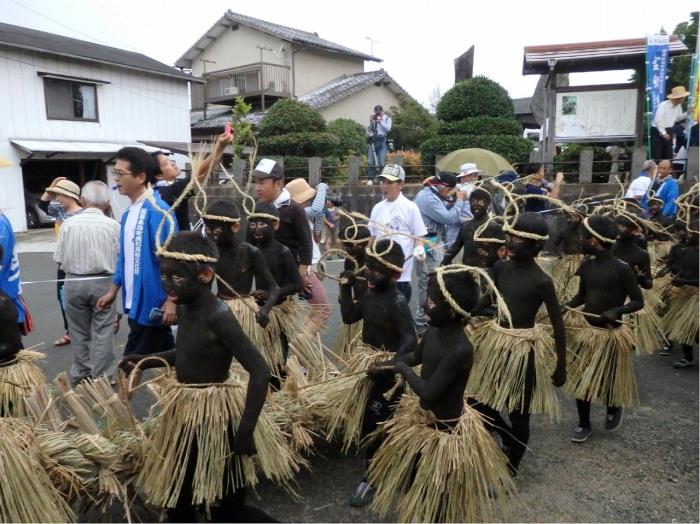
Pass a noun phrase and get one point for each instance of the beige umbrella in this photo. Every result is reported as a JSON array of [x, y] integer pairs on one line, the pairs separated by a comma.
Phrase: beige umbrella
[[487, 161], [4, 162]]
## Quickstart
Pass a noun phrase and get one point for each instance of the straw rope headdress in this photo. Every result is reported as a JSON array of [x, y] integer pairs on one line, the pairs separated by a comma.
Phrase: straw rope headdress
[[481, 230], [688, 207], [482, 277]]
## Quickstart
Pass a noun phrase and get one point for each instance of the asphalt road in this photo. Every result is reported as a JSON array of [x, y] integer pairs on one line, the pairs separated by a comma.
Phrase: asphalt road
[[647, 471]]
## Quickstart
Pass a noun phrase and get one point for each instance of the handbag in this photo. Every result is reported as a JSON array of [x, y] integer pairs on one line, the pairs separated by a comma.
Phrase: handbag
[[28, 325]]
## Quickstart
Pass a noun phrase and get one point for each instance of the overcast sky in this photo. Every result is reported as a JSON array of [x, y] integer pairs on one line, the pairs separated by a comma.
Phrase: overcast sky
[[418, 41]]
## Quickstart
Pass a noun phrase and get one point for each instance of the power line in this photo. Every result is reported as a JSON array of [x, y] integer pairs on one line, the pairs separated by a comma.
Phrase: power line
[[62, 24]]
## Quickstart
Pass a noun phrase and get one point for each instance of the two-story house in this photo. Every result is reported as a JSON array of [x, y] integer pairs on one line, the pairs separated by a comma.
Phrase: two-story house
[[263, 62], [67, 106]]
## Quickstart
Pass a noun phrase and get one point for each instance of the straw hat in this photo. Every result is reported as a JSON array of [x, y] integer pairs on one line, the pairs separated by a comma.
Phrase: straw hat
[[300, 190], [65, 188], [678, 92]]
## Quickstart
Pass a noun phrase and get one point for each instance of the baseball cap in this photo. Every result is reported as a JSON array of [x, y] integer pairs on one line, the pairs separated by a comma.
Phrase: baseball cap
[[393, 173], [468, 169], [65, 188], [378, 108], [444, 178], [268, 168]]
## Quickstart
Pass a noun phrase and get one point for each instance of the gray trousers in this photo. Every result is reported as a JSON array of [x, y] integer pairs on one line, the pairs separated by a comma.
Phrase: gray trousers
[[423, 268], [91, 329]]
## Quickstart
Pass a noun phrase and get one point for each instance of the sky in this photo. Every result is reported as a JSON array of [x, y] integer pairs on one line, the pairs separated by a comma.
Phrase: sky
[[418, 41]]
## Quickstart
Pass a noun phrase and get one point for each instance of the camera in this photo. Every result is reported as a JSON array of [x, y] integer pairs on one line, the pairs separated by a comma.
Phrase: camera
[[335, 200]]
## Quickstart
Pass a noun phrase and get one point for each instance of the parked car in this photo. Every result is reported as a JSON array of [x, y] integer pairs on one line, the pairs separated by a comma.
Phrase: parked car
[[35, 216]]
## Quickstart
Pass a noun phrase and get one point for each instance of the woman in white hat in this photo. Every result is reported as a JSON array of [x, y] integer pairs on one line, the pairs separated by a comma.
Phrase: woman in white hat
[[667, 114]]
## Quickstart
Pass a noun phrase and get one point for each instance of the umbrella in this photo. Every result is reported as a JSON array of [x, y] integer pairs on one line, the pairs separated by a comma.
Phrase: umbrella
[[487, 161], [4, 162]]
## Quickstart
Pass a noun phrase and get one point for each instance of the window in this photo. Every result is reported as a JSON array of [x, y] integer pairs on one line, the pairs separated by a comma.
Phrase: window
[[66, 100]]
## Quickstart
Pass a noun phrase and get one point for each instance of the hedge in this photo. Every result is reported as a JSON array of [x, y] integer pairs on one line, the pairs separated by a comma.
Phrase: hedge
[[514, 149], [477, 96], [299, 144], [482, 125], [352, 136], [290, 116], [298, 167]]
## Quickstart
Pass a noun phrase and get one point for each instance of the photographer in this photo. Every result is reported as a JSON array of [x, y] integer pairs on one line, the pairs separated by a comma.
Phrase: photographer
[[377, 131]]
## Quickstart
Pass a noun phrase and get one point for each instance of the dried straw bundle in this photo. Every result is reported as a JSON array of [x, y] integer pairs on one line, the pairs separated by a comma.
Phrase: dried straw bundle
[[600, 363], [339, 402], [564, 276], [429, 475], [287, 408], [26, 492], [648, 325], [499, 373], [69, 470], [18, 378], [349, 337], [681, 319], [267, 339], [658, 251], [204, 416]]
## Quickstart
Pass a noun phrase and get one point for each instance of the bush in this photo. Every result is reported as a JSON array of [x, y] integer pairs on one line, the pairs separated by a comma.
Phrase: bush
[[290, 116], [477, 96], [411, 162], [482, 125], [411, 125], [514, 149], [299, 144], [296, 167], [352, 136]]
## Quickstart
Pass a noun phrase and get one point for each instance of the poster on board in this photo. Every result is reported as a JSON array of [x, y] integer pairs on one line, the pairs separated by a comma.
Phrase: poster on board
[[599, 114]]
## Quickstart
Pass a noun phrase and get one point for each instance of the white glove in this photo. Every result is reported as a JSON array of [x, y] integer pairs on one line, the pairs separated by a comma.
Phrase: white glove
[[419, 253]]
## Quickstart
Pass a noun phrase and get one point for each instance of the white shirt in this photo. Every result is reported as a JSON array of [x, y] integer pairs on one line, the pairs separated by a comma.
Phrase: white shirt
[[132, 218], [667, 115], [315, 251], [88, 243], [638, 187], [401, 216]]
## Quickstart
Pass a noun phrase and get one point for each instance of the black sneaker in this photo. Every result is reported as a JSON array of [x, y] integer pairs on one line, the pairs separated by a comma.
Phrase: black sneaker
[[665, 351], [613, 420], [581, 434]]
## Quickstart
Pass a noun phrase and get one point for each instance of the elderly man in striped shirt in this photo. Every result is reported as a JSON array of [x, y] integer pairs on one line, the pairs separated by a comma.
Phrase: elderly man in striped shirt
[[88, 247]]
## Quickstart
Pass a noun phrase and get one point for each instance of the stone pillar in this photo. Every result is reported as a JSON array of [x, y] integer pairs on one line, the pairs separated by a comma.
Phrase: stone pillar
[[615, 166], [353, 170], [692, 169], [639, 156], [314, 171], [239, 170], [585, 166]]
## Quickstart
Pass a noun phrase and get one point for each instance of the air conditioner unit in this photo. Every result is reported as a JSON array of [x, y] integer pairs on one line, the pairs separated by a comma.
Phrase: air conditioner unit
[[231, 90]]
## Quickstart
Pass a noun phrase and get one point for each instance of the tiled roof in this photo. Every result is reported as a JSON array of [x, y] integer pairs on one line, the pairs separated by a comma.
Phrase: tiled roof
[[216, 119], [289, 34], [522, 106], [345, 86], [25, 38]]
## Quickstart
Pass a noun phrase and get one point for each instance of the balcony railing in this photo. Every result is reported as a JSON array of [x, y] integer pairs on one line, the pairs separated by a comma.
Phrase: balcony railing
[[260, 78]]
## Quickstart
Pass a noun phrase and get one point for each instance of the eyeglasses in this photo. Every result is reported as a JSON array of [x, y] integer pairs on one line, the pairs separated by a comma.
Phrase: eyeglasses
[[119, 174]]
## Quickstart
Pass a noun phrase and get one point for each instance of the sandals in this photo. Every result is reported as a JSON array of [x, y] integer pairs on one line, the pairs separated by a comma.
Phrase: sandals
[[683, 363], [63, 341]]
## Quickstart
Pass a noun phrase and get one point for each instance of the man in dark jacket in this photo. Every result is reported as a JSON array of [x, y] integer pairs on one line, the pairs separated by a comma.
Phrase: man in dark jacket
[[293, 231]]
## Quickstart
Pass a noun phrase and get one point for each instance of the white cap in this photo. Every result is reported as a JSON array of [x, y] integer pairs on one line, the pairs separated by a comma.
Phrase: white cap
[[468, 169], [393, 173]]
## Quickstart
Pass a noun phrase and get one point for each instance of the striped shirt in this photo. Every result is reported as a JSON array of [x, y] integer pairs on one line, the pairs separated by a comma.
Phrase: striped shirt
[[88, 244]]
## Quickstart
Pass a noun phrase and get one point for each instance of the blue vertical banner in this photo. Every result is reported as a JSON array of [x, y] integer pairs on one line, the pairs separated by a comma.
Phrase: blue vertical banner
[[657, 70]]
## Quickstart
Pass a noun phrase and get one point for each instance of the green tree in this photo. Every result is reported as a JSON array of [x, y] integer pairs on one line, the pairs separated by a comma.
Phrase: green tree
[[411, 124], [478, 96], [679, 69], [352, 136]]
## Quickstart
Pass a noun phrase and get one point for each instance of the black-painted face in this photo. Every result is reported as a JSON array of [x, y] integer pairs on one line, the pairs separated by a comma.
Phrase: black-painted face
[[521, 248], [586, 242], [379, 277], [356, 249], [436, 308], [654, 208], [625, 230], [488, 253], [261, 232], [181, 281], [692, 239], [220, 232], [478, 206]]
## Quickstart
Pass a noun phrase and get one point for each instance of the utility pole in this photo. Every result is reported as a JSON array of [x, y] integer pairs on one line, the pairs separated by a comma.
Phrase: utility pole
[[372, 41], [204, 73], [261, 77]]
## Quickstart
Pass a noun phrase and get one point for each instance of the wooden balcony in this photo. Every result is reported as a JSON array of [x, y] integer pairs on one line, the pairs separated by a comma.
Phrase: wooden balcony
[[250, 81]]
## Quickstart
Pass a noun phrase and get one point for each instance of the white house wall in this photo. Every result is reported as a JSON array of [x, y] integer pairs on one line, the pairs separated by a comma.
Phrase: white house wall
[[312, 69], [134, 106], [361, 104]]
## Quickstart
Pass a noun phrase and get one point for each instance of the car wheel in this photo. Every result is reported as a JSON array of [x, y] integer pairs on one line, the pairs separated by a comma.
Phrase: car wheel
[[32, 219]]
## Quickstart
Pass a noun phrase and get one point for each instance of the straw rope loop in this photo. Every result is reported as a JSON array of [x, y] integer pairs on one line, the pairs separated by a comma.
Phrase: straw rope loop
[[264, 216], [482, 276], [130, 388], [482, 229], [321, 270], [596, 234], [220, 218]]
